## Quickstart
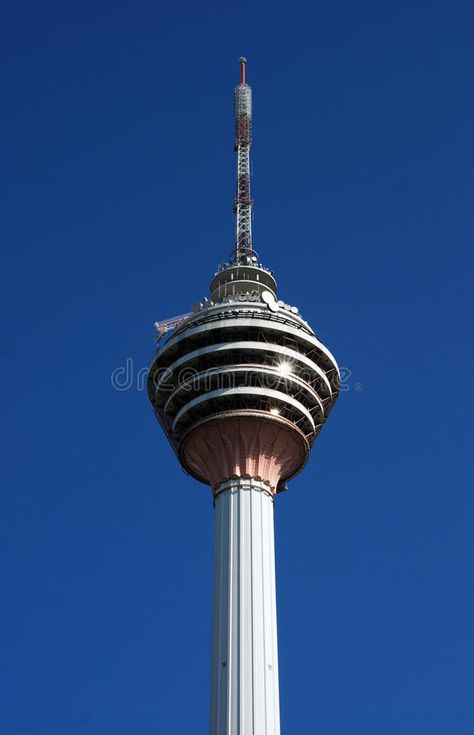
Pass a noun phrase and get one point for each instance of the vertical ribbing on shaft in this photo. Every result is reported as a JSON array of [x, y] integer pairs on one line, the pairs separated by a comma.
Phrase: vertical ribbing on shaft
[[244, 683]]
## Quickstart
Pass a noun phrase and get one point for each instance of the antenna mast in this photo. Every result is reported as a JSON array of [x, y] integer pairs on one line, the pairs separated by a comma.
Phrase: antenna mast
[[243, 140]]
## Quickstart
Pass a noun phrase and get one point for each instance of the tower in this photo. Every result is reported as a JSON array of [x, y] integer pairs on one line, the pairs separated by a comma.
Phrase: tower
[[241, 389]]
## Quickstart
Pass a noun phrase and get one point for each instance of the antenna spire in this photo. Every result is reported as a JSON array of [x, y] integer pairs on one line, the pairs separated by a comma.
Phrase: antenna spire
[[243, 61], [243, 140]]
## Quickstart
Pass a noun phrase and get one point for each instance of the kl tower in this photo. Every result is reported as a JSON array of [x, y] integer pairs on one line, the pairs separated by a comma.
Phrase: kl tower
[[242, 387]]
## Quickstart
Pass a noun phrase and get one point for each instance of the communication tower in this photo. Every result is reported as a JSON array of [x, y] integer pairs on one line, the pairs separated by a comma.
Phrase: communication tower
[[242, 388]]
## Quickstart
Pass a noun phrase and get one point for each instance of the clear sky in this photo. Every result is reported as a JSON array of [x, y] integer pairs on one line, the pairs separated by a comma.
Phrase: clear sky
[[117, 188]]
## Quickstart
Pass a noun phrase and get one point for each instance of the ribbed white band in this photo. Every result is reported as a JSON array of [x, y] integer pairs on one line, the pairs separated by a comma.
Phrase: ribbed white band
[[244, 684]]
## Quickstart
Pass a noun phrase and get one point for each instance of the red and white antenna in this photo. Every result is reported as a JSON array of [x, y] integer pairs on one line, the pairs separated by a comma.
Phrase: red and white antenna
[[243, 140]]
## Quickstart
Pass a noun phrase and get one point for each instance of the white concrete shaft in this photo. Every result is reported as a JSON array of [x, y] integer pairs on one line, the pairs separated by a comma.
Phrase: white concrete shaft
[[244, 681]]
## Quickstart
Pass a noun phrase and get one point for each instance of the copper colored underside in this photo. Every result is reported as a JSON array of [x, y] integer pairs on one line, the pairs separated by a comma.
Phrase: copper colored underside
[[269, 450]]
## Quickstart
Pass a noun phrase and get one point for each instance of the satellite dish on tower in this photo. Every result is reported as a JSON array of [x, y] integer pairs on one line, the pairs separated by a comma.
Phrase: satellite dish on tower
[[269, 299]]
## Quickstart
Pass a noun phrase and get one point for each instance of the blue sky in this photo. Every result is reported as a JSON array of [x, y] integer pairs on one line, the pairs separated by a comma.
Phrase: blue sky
[[118, 179]]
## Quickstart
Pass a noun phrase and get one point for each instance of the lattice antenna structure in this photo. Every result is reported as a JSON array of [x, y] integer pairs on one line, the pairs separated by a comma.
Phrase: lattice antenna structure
[[243, 140], [167, 325]]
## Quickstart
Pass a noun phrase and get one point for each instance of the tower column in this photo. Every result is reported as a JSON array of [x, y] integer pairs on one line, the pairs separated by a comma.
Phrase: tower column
[[244, 684]]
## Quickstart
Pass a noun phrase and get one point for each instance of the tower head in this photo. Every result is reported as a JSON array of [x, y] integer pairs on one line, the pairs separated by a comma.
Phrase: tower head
[[243, 386]]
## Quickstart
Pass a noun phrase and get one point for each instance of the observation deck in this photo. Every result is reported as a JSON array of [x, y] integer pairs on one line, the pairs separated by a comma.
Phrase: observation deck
[[244, 368]]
